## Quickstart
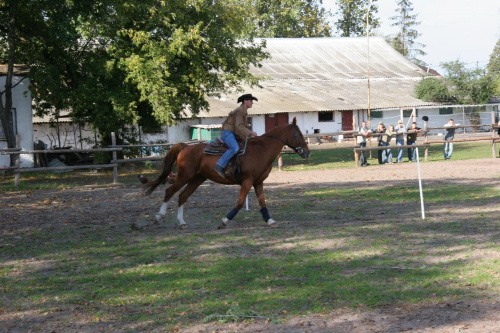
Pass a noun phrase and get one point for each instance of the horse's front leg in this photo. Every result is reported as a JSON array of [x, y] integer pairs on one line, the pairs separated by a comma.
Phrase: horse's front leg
[[245, 188], [259, 191]]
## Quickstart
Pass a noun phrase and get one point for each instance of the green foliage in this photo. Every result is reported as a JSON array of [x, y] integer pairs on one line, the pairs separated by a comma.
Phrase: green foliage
[[434, 90], [460, 85], [351, 17], [404, 41], [494, 63], [494, 68], [113, 62], [286, 18]]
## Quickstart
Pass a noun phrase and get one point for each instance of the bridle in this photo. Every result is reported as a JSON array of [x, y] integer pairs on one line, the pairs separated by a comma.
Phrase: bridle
[[297, 148]]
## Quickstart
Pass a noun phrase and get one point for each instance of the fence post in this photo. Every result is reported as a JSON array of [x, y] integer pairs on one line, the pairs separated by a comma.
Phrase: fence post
[[493, 144], [426, 152], [115, 168], [18, 162], [356, 154], [280, 162]]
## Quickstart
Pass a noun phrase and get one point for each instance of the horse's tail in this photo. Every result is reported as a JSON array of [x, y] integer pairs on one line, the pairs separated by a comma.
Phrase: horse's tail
[[167, 167]]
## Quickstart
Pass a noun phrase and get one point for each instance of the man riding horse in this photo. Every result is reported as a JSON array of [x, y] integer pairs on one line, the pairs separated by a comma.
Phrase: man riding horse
[[235, 124]]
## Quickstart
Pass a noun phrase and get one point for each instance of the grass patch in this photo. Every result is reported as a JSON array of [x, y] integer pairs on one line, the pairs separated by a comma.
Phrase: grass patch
[[50, 180]]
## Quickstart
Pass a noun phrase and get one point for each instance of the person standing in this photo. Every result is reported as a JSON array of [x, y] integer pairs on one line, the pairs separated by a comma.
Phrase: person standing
[[364, 133], [400, 139], [235, 124], [411, 139], [449, 136], [386, 140], [380, 130]]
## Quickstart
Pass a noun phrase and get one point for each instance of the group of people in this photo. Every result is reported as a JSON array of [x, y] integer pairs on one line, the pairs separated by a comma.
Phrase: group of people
[[235, 124], [386, 135], [384, 138]]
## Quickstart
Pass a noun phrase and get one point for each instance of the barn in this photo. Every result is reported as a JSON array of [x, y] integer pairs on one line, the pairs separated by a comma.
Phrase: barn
[[323, 82]]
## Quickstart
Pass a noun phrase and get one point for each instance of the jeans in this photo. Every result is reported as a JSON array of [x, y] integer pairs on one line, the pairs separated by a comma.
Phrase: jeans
[[362, 156], [400, 150], [230, 140], [412, 155], [386, 154], [448, 149]]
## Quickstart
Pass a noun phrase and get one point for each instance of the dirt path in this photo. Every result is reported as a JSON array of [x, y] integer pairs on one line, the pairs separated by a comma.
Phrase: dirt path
[[88, 204]]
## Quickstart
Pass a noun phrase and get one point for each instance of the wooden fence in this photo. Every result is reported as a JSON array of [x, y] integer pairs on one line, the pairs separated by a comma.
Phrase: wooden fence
[[114, 149]]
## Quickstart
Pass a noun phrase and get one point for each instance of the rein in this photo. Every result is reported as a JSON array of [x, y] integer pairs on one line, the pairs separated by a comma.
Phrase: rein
[[298, 149]]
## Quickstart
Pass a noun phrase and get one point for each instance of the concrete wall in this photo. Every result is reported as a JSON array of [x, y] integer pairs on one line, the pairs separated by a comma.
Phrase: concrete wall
[[74, 136], [21, 98]]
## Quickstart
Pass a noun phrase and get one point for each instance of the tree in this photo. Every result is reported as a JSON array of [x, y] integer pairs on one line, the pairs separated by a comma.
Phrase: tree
[[460, 85], [114, 62], [351, 17], [404, 41], [8, 16], [287, 18], [494, 67]]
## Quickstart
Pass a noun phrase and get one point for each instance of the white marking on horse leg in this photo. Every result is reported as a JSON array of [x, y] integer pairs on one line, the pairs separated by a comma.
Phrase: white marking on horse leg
[[162, 213], [271, 222], [180, 217]]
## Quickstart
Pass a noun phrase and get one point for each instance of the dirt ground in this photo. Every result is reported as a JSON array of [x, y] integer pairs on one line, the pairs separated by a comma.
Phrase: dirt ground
[[465, 316], [462, 316]]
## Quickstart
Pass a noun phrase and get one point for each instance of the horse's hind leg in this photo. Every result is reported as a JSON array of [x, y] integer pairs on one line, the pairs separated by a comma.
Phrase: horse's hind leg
[[192, 185], [169, 192], [259, 191]]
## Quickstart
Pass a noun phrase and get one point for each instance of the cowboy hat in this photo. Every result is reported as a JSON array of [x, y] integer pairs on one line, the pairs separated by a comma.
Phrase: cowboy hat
[[246, 97]]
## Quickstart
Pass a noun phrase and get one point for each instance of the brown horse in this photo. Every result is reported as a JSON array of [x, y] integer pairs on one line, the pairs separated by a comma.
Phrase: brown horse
[[194, 167]]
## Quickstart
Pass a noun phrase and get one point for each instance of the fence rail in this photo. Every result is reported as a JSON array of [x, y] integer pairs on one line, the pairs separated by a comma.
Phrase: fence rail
[[114, 148]]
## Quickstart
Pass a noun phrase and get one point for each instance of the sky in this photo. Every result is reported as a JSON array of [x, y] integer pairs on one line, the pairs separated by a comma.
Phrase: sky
[[465, 30]]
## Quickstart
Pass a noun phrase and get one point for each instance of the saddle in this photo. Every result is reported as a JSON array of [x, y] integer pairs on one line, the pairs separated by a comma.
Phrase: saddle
[[218, 147], [233, 169]]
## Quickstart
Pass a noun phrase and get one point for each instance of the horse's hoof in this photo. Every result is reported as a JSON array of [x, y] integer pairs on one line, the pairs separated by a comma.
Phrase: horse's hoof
[[271, 223], [135, 226], [183, 226], [157, 219]]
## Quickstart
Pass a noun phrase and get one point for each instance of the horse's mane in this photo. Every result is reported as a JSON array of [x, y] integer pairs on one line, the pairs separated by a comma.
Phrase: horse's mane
[[280, 129]]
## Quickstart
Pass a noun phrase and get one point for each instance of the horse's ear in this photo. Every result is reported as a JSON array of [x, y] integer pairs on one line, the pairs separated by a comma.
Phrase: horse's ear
[[294, 122]]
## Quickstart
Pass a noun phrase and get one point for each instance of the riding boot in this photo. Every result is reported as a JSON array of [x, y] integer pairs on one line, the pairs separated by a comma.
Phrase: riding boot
[[228, 171]]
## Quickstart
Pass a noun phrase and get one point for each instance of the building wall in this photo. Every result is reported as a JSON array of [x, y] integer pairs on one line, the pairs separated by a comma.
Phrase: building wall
[[21, 98], [70, 135]]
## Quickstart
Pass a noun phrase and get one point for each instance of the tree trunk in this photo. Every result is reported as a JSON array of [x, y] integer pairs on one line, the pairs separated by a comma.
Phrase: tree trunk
[[5, 109]]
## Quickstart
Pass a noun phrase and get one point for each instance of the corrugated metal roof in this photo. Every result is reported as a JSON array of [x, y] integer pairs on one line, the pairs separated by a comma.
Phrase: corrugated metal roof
[[328, 74]]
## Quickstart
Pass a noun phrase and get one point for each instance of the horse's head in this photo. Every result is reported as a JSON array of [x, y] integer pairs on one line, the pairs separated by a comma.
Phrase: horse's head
[[296, 141]]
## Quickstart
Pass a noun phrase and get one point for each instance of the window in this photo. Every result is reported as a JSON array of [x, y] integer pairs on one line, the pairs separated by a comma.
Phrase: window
[[326, 116], [408, 113], [376, 114], [14, 120], [445, 110]]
